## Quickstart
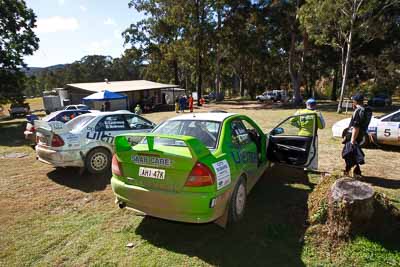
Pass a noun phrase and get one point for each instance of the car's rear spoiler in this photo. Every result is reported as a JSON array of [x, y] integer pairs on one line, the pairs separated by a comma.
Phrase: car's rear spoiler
[[196, 147], [56, 127]]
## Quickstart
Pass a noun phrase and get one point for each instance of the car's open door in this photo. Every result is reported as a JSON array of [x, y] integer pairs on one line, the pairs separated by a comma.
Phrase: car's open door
[[289, 144]]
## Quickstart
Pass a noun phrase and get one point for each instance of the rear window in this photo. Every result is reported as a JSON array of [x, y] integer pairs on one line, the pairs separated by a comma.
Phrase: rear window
[[79, 122], [206, 131]]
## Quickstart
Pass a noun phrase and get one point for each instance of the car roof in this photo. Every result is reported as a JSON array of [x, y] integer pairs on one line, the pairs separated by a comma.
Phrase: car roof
[[205, 116], [95, 113]]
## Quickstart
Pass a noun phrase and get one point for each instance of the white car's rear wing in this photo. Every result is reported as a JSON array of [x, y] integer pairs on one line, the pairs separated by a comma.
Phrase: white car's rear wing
[[56, 127]]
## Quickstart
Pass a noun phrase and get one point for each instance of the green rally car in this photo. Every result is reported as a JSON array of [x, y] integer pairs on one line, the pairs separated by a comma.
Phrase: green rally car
[[200, 167]]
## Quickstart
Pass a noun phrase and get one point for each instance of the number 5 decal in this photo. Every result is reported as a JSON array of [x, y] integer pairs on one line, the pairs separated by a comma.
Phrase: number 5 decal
[[387, 133]]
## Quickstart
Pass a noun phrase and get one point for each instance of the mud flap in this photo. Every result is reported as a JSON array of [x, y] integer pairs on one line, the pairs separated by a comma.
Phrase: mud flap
[[223, 220]]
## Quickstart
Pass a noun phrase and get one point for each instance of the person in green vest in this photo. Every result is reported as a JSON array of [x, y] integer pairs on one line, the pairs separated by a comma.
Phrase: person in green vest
[[306, 123]]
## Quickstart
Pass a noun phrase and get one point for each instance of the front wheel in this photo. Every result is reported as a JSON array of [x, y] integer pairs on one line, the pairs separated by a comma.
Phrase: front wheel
[[98, 161], [237, 203]]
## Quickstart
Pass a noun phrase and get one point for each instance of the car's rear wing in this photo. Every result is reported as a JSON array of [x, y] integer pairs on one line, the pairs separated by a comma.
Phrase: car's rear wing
[[196, 147], [56, 127]]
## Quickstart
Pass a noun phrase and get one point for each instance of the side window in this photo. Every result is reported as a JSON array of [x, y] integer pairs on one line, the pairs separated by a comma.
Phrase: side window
[[298, 125], [394, 118], [240, 136], [137, 123], [64, 117], [112, 123]]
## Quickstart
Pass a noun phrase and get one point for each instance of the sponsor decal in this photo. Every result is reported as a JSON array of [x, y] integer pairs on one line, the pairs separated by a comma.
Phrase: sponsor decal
[[101, 136], [222, 173], [244, 157], [151, 160]]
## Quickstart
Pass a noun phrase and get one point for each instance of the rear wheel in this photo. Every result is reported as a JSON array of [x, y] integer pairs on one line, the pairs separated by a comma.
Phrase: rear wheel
[[237, 204], [98, 161]]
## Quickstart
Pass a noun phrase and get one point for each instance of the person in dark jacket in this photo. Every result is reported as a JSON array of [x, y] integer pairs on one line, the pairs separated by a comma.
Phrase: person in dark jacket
[[352, 153], [182, 103]]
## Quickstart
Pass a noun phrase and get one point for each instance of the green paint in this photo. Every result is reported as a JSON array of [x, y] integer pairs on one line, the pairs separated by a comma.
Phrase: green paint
[[169, 198]]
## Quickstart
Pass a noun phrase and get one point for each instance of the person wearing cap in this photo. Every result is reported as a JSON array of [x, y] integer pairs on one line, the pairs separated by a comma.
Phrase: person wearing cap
[[358, 127], [306, 123]]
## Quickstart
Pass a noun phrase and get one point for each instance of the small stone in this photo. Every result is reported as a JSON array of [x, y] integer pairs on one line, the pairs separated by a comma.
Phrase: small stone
[[130, 245]]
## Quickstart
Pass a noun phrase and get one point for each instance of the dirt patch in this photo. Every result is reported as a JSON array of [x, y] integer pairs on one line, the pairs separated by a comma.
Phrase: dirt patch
[[13, 155]]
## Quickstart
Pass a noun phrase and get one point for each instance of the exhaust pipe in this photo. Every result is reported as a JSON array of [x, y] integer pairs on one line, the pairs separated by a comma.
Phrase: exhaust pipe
[[121, 205]]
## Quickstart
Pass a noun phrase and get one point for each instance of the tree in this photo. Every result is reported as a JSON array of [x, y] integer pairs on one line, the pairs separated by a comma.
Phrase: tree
[[350, 21], [17, 39]]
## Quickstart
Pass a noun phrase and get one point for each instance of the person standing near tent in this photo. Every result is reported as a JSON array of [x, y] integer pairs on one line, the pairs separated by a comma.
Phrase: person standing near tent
[[182, 103], [177, 104], [138, 110], [191, 103], [107, 106]]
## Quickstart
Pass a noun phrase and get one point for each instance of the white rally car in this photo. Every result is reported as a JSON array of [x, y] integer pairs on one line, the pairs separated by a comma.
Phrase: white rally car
[[86, 141], [383, 129]]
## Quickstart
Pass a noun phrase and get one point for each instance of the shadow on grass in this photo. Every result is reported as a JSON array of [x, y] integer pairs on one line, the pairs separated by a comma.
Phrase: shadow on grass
[[87, 183], [385, 225], [270, 234], [12, 133], [382, 182]]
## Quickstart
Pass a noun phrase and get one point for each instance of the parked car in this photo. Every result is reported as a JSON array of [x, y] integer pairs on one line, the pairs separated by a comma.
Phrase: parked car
[[63, 116], [194, 168], [380, 100], [86, 141], [382, 130], [76, 107], [19, 109], [266, 96]]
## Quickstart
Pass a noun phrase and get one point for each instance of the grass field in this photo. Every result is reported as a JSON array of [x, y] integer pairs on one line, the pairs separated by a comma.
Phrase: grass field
[[56, 217]]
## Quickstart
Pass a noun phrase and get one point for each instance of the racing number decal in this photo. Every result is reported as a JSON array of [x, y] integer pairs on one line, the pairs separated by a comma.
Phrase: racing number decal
[[387, 133]]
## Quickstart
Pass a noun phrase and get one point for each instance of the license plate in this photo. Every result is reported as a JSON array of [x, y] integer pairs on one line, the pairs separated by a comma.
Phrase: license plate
[[152, 173]]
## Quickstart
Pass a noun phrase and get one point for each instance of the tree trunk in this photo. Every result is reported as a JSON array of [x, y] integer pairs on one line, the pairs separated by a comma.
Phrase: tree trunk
[[218, 72], [350, 208], [293, 75], [335, 84], [347, 63], [176, 75], [241, 87], [199, 51]]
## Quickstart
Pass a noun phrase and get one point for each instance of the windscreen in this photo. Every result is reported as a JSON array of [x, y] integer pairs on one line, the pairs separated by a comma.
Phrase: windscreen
[[79, 122], [206, 131]]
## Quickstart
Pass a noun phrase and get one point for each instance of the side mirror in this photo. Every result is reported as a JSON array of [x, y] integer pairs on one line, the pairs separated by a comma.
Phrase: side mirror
[[277, 131]]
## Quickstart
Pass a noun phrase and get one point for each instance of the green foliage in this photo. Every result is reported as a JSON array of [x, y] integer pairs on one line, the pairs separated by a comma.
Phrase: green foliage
[[321, 214], [93, 68], [17, 39]]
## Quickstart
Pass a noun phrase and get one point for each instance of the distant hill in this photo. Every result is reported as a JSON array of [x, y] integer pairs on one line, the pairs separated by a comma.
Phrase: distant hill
[[31, 71]]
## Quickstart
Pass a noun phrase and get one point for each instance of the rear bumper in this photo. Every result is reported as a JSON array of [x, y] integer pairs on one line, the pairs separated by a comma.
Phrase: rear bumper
[[71, 158], [183, 206]]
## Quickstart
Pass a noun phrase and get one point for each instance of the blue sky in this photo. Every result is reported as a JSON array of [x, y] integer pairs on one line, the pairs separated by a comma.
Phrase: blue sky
[[71, 29]]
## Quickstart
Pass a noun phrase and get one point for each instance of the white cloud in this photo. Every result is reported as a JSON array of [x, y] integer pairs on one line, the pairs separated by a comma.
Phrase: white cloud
[[110, 21], [83, 8], [99, 47], [57, 24]]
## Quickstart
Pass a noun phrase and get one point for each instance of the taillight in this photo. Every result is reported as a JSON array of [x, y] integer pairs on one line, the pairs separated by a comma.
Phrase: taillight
[[57, 141], [200, 175], [116, 166]]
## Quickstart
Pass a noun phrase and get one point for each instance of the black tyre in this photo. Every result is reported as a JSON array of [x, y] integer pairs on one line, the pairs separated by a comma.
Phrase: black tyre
[[237, 203], [98, 161]]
